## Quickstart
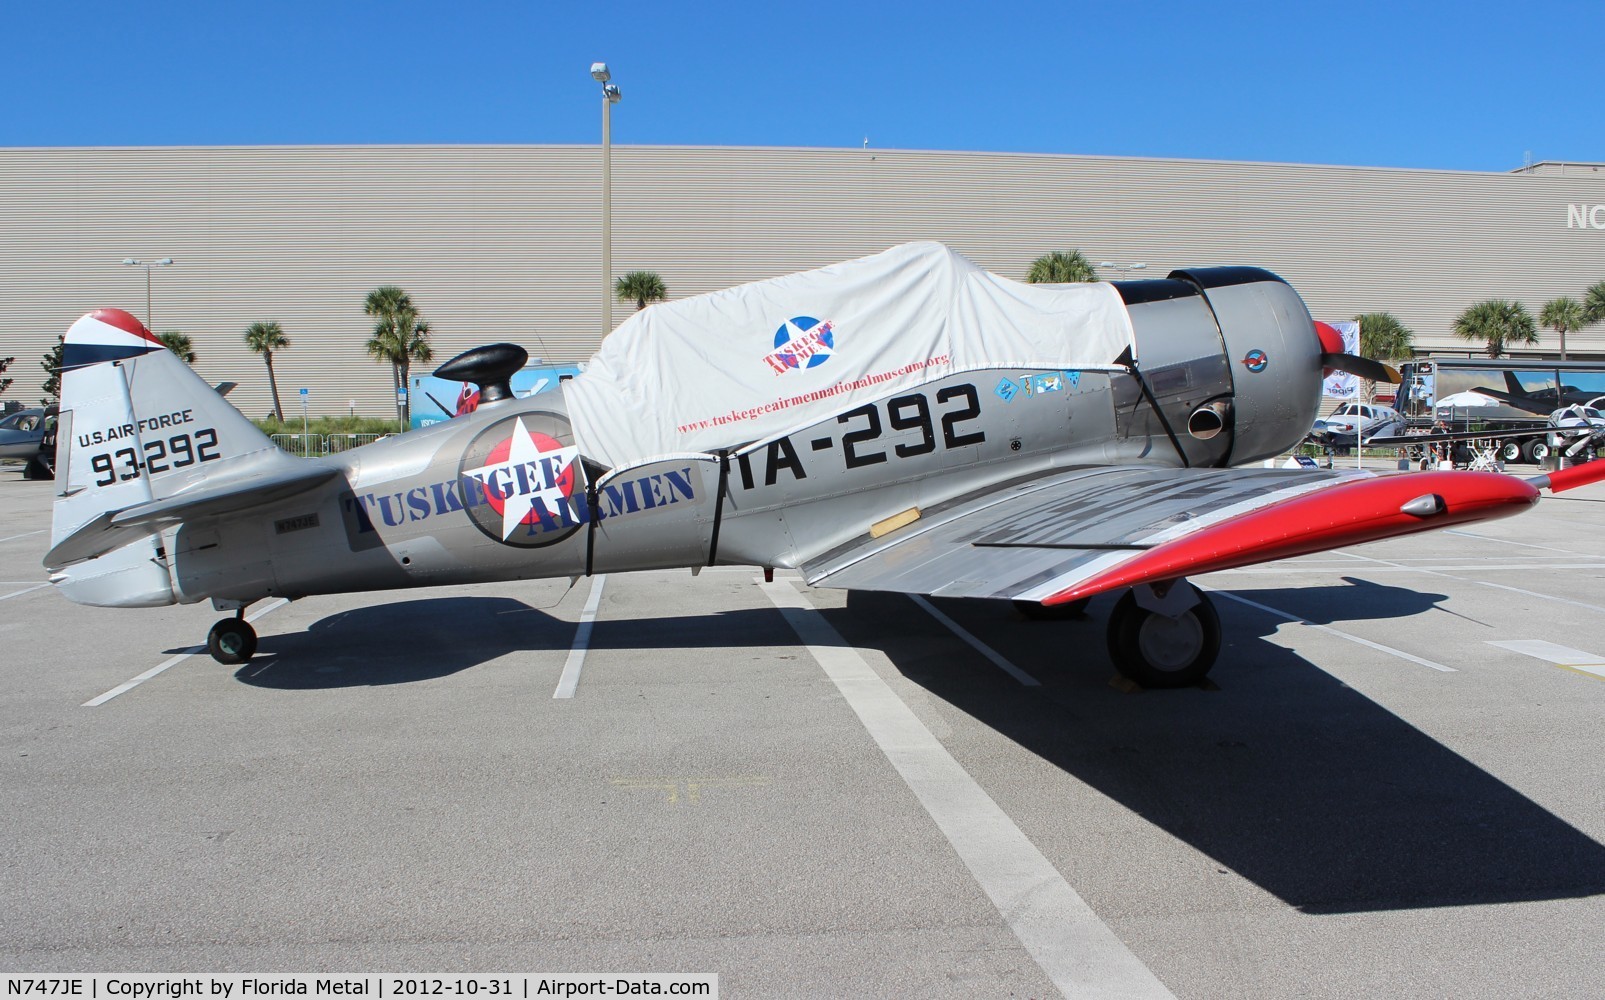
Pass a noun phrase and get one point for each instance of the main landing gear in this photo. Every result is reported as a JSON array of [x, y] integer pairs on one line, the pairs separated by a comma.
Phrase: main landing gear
[[232, 640], [1164, 635]]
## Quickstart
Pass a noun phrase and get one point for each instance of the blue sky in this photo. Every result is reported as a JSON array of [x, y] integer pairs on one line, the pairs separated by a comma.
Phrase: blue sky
[[1469, 86]]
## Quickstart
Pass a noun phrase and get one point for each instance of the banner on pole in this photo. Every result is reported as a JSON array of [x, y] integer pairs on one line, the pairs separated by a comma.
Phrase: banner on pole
[[1343, 385]]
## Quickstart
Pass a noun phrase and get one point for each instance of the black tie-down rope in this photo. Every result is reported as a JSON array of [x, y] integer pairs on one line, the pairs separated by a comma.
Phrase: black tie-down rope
[[1129, 363], [718, 504]]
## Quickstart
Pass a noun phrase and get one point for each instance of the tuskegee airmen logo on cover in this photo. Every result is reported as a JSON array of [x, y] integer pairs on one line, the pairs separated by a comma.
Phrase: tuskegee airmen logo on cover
[[802, 342]]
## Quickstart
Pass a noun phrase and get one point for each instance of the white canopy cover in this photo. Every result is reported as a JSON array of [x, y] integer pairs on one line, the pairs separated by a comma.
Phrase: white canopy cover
[[760, 360]]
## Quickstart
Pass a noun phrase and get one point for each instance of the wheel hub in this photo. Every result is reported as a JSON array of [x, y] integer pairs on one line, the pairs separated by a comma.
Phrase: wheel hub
[[1170, 643]]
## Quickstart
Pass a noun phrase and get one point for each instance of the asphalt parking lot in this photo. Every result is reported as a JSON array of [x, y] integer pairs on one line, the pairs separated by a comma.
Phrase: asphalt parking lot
[[1394, 787]]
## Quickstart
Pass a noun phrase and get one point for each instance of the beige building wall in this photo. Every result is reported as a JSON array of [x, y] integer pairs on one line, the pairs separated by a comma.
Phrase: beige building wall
[[503, 242]]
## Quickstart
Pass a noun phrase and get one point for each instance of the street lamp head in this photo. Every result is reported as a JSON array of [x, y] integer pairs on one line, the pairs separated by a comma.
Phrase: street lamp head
[[1106, 263], [599, 72], [165, 261], [611, 92], [130, 261]]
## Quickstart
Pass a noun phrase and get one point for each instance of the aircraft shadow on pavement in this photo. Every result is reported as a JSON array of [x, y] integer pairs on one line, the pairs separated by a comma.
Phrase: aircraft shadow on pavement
[[417, 640], [401, 642], [1284, 775]]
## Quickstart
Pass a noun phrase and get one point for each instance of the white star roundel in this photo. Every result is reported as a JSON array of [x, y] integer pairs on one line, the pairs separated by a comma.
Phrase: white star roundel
[[518, 480]]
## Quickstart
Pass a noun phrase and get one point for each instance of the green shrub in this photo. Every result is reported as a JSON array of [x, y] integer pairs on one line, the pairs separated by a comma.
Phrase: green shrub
[[330, 425]]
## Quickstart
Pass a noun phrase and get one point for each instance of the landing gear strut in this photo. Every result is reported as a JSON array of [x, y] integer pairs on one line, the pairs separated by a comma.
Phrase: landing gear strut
[[1164, 636], [232, 641]]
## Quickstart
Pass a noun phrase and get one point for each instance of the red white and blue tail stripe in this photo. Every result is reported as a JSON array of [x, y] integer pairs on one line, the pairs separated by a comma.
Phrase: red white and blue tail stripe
[[106, 335]]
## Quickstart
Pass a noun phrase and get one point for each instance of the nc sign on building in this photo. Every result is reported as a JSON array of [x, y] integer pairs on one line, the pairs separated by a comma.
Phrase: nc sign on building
[[1585, 216]]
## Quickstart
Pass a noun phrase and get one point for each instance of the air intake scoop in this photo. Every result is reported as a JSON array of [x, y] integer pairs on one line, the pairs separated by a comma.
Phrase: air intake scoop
[[490, 367]]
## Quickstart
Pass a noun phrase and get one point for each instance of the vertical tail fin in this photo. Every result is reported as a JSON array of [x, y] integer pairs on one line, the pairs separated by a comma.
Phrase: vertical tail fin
[[136, 423]]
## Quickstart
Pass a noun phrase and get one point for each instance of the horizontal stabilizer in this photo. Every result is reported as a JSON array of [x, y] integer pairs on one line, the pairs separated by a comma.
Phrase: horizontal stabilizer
[[220, 494]]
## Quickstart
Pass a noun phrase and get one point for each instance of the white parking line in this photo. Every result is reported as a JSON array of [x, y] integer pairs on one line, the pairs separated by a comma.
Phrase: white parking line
[[1547, 597], [25, 590], [980, 647], [1507, 541], [129, 685], [1561, 656], [25, 534], [570, 680], [1058, 929], [1384, 566], [1401, 654]]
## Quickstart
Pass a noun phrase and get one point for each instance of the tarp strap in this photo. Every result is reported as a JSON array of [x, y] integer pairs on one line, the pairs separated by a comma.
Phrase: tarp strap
[[718, 504], [1129, 363], [590, 529]]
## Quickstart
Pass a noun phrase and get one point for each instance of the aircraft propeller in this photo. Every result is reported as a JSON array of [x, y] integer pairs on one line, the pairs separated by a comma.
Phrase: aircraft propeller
[[1333, 357]]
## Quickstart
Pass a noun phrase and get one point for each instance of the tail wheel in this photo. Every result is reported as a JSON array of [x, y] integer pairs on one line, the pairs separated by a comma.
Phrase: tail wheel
[[1037, 611], [231, 641], [1159, 651]]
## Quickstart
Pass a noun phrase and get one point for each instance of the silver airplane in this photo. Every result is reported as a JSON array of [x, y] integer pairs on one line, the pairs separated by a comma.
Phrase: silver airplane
[[1353, 422], [904, 423], [1578, 429]]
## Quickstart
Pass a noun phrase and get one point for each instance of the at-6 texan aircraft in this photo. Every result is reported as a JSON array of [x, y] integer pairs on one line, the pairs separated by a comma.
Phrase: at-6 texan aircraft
[[906, 422]]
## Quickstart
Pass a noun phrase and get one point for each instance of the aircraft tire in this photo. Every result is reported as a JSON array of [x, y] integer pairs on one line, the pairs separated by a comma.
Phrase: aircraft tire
[[231, 641], [1160, 652], [1039, 612]]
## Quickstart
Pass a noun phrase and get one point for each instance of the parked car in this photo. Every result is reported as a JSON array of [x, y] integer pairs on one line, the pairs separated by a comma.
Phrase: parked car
[[43, 464], [20, 433]]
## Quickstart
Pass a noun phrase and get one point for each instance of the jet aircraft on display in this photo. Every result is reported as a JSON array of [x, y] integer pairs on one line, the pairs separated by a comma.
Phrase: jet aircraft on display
[[1540, 401], [906, 422]]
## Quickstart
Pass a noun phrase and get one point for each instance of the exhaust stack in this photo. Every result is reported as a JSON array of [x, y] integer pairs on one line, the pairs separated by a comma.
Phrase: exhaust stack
[[1209, 420]]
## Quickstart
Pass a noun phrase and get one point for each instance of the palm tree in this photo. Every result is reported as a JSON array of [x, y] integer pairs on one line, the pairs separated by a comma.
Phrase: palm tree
[[641, 287], [1059, 267], [264, 337], [1563, 314], [179, 343], [1497, 323], [1594, 303], [400, 336], [1383, 337]]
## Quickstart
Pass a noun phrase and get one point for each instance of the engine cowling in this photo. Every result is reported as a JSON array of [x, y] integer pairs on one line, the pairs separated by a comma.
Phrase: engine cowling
[[1232, 356]]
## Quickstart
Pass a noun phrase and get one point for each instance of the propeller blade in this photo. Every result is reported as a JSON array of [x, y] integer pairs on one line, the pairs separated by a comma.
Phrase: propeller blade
[[1376, 371]]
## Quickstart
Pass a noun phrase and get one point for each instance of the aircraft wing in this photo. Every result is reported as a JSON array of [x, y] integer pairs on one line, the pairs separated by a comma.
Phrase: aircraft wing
[[218, 495], [1084, 531], [1433, 437]]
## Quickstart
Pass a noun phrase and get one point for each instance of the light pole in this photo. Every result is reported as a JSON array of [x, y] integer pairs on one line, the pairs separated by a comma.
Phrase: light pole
[[164, 262], [1109, 265], [610, 97]]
